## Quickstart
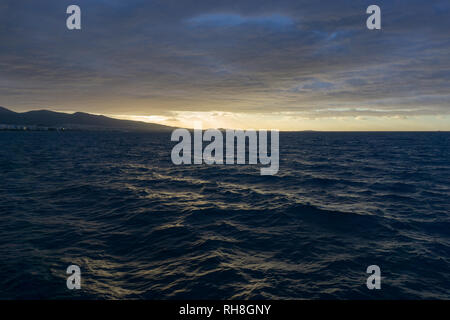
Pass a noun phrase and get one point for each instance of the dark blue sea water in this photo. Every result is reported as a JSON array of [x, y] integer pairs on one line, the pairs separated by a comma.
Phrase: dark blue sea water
[[140, 227]]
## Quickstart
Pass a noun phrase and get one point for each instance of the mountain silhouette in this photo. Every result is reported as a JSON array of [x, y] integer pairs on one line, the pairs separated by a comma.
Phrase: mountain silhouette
[[77, 121]]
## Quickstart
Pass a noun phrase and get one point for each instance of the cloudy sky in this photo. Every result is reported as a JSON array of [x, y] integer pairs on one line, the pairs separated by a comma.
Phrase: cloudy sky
[[288, 65]]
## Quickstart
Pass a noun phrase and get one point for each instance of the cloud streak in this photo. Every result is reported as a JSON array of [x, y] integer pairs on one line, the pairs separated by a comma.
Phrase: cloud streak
[[233, 20]]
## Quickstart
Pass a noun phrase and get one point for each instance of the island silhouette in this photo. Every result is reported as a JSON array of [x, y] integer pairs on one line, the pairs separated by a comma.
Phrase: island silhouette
[[45, 119]]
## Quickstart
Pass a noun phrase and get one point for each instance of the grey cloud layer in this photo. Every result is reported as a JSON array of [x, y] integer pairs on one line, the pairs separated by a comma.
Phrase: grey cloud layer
[[310, 57]]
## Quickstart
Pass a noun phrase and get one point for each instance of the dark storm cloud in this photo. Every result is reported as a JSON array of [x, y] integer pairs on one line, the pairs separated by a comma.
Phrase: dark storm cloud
[[312, 57]]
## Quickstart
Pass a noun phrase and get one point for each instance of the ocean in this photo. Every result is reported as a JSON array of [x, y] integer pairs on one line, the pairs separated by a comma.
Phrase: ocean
[[140, 227]]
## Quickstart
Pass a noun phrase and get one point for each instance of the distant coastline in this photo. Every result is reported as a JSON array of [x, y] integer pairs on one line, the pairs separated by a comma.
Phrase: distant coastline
[[45, 120], [13, 127]]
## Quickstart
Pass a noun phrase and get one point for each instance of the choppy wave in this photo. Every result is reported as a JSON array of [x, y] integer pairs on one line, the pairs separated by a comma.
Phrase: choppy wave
[[140, 227]]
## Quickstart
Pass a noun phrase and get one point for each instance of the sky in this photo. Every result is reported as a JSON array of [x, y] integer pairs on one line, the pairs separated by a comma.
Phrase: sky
[[287, 65]]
